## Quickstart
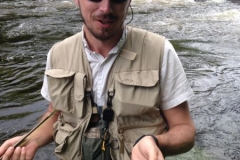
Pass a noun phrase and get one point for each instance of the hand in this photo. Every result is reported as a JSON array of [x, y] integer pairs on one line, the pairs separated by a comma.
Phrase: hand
[[146, 149], [19, 153]]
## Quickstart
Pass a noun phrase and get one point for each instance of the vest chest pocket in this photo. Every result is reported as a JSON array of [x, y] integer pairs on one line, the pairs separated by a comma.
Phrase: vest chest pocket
[[68, 140], [136, 92], [66, 89]]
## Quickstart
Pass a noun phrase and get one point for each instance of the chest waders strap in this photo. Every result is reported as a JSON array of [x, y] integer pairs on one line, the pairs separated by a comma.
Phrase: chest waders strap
[[95, 142], [92, 141], [95, 113]]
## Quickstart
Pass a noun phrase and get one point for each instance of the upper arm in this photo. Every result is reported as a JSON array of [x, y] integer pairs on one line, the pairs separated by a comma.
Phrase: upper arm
[[49, 111], [174, 85], [179, 115], [44, 90]]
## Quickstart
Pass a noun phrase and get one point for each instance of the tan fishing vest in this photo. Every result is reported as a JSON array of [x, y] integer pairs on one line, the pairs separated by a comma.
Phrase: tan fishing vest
[[135, 78]]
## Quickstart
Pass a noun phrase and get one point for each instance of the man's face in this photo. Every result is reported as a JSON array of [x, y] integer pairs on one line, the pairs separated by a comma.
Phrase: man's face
[[103, 18]]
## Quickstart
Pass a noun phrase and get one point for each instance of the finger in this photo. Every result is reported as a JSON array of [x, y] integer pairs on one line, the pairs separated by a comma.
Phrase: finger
[[160, 156], [4, 147], [8, 153], [8, 144], [16, 154], [155, 154], [23, 154]]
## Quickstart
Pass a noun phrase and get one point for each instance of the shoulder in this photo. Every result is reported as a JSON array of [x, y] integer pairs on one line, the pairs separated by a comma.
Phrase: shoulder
[[67, 46], [70, 41], [151, 43], [145, 32], [171, 60]]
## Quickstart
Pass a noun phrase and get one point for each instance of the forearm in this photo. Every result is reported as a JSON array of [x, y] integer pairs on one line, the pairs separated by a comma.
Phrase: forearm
[[44, 134], [38, 138], [177, 140]]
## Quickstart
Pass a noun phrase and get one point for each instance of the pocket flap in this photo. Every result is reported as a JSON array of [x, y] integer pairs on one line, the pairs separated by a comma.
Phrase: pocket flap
[[63, 133], [59, 73], [61, 138], [80, 84], [146, 78]]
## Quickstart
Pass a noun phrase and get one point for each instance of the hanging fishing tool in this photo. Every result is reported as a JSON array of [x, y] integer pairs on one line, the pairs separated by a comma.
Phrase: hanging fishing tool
[[107, 118], [23, 140]]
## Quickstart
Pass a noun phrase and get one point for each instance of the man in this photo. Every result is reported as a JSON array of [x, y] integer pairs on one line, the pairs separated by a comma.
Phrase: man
[[109, 64]]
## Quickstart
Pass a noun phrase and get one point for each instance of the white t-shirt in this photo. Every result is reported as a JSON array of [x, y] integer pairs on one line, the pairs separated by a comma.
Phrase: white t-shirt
[[174, 85]]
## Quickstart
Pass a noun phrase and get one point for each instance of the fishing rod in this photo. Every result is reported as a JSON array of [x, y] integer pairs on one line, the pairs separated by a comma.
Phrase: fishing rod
[[23, 140]]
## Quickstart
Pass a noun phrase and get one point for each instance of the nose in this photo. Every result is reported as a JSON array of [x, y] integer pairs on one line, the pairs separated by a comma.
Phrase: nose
[[106, 6]]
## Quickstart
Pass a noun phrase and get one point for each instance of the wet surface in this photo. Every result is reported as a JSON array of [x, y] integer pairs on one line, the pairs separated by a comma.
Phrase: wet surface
[[204, 33]]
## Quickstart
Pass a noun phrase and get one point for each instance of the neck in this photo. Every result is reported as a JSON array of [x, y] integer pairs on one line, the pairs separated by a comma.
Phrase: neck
[[102, 47]]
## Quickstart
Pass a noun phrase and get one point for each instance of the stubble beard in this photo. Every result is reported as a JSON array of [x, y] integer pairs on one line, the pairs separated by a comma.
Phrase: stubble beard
[[104, 35]]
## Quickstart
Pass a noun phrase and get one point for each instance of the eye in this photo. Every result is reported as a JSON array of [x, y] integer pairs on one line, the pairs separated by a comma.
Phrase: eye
[[95, 1]]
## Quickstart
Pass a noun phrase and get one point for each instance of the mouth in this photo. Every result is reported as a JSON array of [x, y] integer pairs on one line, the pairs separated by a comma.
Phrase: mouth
[[105, 23]]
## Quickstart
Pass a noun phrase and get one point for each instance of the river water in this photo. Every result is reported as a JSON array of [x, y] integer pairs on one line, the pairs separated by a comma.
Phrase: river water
[[205, 33]]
